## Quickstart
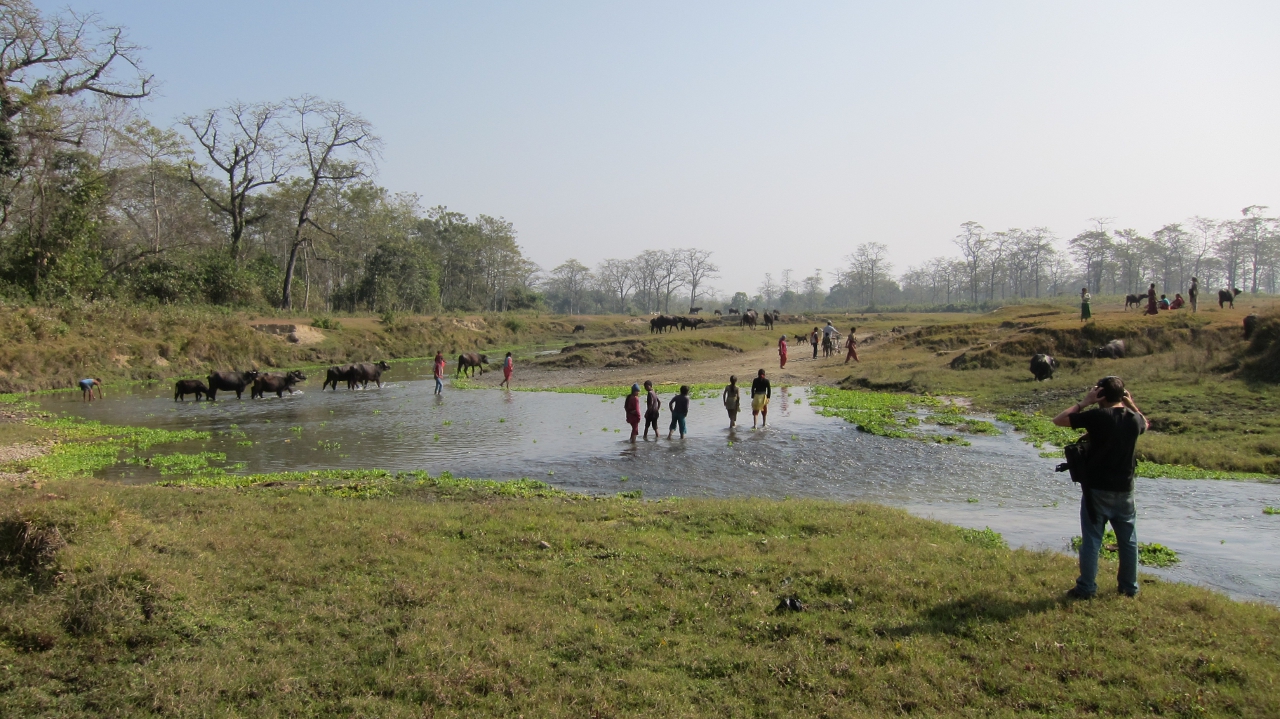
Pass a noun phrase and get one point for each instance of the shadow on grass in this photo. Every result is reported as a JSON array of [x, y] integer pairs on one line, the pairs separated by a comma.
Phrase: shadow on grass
[[963, 616]]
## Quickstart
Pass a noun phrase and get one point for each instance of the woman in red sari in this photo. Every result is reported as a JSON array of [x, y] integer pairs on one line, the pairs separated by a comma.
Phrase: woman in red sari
[[1152, 308]]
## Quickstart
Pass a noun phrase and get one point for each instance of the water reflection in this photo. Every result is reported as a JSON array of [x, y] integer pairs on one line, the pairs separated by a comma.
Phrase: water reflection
[[580, 442]]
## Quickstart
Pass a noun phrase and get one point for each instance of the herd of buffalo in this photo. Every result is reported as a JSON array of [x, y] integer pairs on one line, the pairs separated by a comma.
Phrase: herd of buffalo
[[260, 384], [749, 318]]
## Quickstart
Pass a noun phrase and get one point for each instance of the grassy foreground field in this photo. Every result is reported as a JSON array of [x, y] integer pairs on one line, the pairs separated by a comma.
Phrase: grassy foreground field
[[442, 599]]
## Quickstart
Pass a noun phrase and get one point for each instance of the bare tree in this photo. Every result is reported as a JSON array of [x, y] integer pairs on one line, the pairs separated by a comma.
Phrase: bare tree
[[331, 145], [697, 268], [617, 278], [670, 277], [243, 143], [571, 279], [871, 265], [973, 243], [768, 290]]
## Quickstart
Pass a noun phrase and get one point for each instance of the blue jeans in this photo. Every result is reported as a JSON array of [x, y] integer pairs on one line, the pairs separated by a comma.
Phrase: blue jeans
[[677, 419], [1117, 508], [439, 386]]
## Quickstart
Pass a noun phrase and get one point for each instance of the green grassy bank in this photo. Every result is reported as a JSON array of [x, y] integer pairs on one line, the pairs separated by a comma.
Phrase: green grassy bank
[[460, 599]]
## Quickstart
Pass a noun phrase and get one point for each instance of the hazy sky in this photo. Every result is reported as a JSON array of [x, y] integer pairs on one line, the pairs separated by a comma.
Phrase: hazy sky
[[778, 135]]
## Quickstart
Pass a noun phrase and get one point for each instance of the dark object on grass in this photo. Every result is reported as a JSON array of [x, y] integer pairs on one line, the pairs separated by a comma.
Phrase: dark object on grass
[[1132, 300], [1250, 325], [229, 381], [1042, 366], [1228, 297], [789, 604], [579, 328], [366, 372], [718, 313], [469, 361], [1112, 350], [336, 374], [184, 387], [276, 383]]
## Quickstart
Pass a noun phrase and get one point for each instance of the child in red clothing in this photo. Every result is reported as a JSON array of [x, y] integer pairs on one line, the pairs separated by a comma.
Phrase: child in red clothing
[[632, 407]]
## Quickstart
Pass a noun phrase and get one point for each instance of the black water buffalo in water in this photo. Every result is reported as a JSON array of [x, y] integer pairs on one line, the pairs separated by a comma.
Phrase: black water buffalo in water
[[336, 374], [1228, 297], [365, 372], [1250, 325], [1132, 300], [276, 383], [469, 361], [1042, 366], [184, 387], [229, 381], [579, 328], [1112, 350], [748, 319]]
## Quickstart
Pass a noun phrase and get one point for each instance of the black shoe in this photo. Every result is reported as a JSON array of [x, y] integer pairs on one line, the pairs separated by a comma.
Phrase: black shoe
[[1075, 593]]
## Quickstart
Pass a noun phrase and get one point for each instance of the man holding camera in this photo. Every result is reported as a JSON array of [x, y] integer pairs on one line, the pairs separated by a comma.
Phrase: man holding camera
[[1113, 429]]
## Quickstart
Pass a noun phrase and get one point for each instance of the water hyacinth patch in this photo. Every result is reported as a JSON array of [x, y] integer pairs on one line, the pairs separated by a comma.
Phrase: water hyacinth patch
[[1150, 554]]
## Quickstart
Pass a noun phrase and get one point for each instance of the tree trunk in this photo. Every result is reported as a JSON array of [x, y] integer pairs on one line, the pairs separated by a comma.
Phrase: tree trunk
[[286, 297]]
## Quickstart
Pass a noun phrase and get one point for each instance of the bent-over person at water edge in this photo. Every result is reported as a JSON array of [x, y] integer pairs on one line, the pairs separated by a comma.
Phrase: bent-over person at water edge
[[1107, 480]]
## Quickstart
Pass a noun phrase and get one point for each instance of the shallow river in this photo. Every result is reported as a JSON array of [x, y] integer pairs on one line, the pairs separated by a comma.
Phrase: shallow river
[[578, 442]]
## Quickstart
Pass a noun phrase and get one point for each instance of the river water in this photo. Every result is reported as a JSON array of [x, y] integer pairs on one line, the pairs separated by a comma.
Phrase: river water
[[578, 442]]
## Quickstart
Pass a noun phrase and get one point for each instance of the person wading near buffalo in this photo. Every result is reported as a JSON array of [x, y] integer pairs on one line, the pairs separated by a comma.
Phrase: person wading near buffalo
[[732, 400], [852, 346], [507, 366], [679, 410], [1192, 293], [782, 352], [437, 371], [760, 394], [1106, 479], [653, 407], [1085, 313], [631, 405]]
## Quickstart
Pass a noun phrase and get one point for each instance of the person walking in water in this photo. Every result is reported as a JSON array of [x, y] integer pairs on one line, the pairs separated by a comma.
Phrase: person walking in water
[[679, 410], [760, 394], [653, 406], [86, 388], [852, 345], [731, 400], [507, 366], [813, 340], [1152, 307], [438, 372], [632, 407], [1085, 313], [782, 352], [1193, 292]]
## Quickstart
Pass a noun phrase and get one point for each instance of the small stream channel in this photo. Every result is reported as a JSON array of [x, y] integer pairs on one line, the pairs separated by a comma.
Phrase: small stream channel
[[577, 442]]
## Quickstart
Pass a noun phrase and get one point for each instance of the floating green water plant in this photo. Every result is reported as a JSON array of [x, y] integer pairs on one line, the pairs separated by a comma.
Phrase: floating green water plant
[[987, 537], [1149, 554]]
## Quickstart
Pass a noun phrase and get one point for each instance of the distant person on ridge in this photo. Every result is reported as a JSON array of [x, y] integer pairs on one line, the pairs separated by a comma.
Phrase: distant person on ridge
[[760, 394], [631, 405], [1085, 313], [1152, 307], [1193, 292]]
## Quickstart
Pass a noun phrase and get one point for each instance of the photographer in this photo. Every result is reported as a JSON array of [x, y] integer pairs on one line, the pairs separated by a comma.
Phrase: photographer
[[1113, 429]]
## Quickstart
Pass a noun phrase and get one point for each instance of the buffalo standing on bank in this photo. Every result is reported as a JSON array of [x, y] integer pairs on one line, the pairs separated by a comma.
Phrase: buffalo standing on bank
[[230, 381], [749, 319], [184, 387], [1111, 350], [278, 384], [1043, 366], [1228, 297]]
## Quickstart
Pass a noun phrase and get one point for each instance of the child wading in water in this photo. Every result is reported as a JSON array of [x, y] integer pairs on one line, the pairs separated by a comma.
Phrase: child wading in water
[[437, 371], [653, 405], [632, 406], [732, 401], [507, 366], [679, 410]]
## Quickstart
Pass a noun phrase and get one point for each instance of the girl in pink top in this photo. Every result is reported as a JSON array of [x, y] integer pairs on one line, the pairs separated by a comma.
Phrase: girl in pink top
[[782, 351], [438, 372]]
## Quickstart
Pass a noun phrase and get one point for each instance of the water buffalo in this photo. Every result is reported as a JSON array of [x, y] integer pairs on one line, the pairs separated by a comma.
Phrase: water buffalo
[[1042, 366], [662, 323], [1132, 300], [734, 311], [1250, 325], [767, 318], [1113, 350], [694, 310], [718, 313], [748, 319], [230, 381], [690, 322], [336, 374], [469, 361], [579, 328], [276, 383], [1228, 297], [366, 372], [184, 387]]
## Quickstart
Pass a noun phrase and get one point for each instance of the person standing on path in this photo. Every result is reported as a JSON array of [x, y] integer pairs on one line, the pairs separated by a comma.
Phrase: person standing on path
[[1085, 314], [782, 352], [631, 405], [760, 394], [852, 346], [653, 406], [813, 340], [827, 342], [438, 372], [1152, 308], [86, 388], [507, 366], [732, 401], [679, 410], [1193, 292], [1107, 483]]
